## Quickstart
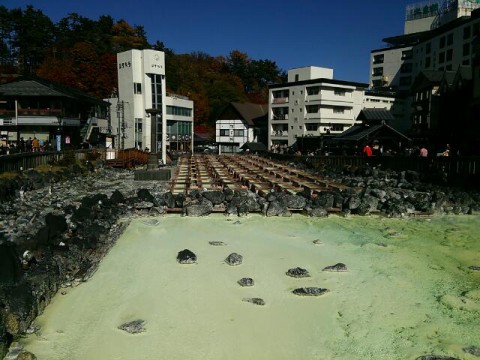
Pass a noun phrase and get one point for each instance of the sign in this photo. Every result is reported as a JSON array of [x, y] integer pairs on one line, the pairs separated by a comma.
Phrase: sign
[[67, 139], [58, 139]]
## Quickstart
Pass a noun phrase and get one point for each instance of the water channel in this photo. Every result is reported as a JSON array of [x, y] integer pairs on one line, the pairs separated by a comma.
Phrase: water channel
[[409, 291]]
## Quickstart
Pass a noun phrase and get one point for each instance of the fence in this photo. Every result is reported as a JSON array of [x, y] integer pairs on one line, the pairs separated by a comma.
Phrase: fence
[[24, 161]]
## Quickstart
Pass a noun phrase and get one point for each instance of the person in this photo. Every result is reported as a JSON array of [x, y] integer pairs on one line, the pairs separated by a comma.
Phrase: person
[[423, 152], [367, 150], [35, 144], [447, 151]]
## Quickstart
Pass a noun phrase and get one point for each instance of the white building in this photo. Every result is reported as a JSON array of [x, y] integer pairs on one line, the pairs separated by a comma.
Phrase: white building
[[143, 115], [312, 103], [238, 124], [438, 35]]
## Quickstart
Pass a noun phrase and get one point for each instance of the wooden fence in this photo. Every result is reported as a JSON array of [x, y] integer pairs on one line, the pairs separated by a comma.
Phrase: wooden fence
[[24, 161]]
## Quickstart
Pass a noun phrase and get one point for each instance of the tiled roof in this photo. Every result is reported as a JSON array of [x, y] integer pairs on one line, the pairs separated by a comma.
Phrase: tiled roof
[[249, 111]]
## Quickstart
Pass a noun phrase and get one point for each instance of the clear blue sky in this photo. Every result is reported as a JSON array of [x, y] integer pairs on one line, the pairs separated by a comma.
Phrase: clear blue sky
[[293, 33]]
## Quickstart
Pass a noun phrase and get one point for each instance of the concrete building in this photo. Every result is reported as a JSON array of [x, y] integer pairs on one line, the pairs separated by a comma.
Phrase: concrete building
[[310, 104], [240, 123], [143, 114], [438, 36]]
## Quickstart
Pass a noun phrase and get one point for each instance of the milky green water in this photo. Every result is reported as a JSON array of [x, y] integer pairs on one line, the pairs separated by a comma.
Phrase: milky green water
[[408, 292]]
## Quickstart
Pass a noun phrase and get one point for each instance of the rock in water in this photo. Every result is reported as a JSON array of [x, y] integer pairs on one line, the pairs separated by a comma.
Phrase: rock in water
[[256, 301], [310, 291], [217, 243], [246, 282], [234, 259], [436, 357], [474, 350], [186, 257], [133, 327], [337, 267], [298, 273]]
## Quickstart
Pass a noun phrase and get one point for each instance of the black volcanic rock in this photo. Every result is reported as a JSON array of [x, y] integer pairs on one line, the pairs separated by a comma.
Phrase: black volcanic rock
[[298, 273], [234, 259], [186, 257], [246, 282], [310, 291], [339, 267], [133, 327], [255, 301]]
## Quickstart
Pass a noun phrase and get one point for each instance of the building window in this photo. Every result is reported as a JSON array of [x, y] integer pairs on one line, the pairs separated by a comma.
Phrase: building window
[[300, 127], [339, 92], [313, 90], [449, 55], [311, 127], [336, 127], [466, 32], [378, 71], [377, 83], [428, 62], [137, 88], [224, 132], [407, 54], [293, 92], [238, 132], [449, 39], [297, 77], [138, 125], [338, 110], [466, 62], [180, 111], [312, 109], [466, 49], [378, 59], [405, 80], [428, 48], [441, 58], [442, 42], [156, 91], [406, 68]]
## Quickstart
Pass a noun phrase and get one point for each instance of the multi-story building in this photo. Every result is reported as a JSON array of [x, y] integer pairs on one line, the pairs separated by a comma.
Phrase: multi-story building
[[143, 114], [438, 36], [312, 103], [238, 124]]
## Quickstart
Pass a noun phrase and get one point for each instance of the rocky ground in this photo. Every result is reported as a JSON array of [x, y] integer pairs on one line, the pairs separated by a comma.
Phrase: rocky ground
[[55, 227]]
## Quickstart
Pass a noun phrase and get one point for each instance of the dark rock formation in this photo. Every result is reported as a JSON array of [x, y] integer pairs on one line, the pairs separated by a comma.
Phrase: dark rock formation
[[10, 266], [133, 327], [317, 212], [473, 350], [234, 259], [255, 301], [246, 282], [277, 208], [339, 267], [298, 272], [186, 257], [215, 197], [310, 291], [436, 357]]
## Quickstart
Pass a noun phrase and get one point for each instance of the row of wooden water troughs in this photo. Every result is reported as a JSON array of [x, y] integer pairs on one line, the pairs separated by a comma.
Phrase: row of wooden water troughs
[[252, 172]]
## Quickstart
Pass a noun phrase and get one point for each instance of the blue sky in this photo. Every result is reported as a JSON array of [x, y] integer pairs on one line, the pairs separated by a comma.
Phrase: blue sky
[[294, 33]]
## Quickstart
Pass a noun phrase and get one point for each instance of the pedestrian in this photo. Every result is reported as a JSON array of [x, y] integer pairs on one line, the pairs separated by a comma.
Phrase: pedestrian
[[447, 151], [367, 150], [423, 152], [35, 144]]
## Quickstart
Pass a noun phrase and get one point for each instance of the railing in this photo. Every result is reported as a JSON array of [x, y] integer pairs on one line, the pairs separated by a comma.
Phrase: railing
[[280, 100], [31, 112], [30, 160]]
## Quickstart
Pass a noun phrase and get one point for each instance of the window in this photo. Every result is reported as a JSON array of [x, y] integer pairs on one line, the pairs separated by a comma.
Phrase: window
[[466, 62], [337, 127], [428, 48], [407, 54], [338, 110], [293, 92], [224, 132], [428, 62], [406, 68], [238, 132], [300, 127], [442, 42], [379, 59], [311, 127], [139, 126], [466, 32], [441, 58], [177, 110], [449, 55], [311, 109], [449, 39], [313, 90], [339, 92], [466, 49], [137, 88], [377, 83], [296, 77], [378, 71]]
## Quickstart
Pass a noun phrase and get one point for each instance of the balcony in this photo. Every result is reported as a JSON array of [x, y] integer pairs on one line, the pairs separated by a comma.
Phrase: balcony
[[279, 133], [280, 117], [280, 100]]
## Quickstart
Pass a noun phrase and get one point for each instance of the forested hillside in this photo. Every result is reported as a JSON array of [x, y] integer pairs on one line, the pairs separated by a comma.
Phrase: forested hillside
[[81, 53]]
